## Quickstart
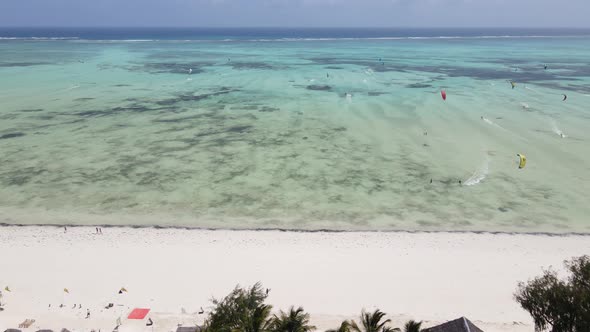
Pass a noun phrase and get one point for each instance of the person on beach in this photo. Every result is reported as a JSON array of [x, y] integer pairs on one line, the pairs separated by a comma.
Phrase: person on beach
[[87, 313], [65, 229]]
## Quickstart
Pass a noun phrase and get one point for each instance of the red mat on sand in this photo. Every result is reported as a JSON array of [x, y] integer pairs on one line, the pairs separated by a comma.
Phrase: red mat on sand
[[138, 313]]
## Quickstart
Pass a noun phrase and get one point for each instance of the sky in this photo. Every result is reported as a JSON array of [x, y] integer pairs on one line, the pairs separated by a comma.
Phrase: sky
[[296, 13]]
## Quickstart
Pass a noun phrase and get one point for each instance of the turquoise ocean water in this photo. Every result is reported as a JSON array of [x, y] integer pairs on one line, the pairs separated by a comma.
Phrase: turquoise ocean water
[[296, 129]]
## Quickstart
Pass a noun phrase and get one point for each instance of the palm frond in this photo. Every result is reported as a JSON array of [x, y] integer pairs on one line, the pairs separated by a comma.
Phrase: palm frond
[[345, 326], [413, 326]]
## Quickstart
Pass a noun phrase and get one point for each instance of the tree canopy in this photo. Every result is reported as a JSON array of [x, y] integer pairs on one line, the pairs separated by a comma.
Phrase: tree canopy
[[559, 305]]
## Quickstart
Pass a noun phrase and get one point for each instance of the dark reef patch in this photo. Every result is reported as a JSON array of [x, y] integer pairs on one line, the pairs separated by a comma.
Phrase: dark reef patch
[[23, 64], [8, 116], [245, 107], [251, 65], [239, 129], [570, 87], [418, 86], [31, 110], [375, 93], [319, 87], [169, 68], [20, 176], [269, 109], [570, 72], [211, 115], [44, 117], [133, 108], [189, 97], [12, 135]]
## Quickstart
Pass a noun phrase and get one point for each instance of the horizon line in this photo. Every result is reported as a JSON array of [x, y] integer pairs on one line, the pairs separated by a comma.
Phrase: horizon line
[[288, 27]]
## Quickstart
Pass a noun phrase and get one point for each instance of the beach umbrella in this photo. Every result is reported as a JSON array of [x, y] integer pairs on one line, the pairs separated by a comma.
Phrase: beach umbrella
[[122, 290], [7, 289]]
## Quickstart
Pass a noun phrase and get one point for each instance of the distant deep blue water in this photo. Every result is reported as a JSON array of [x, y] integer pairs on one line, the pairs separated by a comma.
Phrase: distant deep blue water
[[277, 33]]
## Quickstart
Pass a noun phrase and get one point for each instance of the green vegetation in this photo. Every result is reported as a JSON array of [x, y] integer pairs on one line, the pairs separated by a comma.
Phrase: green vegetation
[[344, 327], [372, 322], [296, 320], [558, 305], [413, 326], [244, 310]]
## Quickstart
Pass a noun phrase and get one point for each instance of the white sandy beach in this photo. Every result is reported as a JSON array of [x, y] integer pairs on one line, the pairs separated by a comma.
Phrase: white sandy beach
[[425, 276]]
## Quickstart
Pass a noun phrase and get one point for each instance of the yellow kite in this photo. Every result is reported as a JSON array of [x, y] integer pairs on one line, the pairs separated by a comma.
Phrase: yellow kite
[[522, 161]]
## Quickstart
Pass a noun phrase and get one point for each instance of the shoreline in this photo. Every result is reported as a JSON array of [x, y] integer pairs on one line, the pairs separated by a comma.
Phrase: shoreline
[[425, 276], [297, 230]]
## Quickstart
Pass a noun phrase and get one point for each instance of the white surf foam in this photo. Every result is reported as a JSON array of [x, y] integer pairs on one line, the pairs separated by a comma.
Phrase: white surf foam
[[71, 88], [491, 123], [556, 130], [479, 175]]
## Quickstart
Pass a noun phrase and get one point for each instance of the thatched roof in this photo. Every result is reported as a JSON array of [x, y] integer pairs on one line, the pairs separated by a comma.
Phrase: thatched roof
[[458, 325]]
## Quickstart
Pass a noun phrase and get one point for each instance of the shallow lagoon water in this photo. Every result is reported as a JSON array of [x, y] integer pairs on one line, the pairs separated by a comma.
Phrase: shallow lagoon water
[[297, 134]]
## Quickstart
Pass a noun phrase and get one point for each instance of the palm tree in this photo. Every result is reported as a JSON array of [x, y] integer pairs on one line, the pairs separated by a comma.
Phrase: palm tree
[[373, 322], [413, 326], [243, 310], [258, 321], [296, 320], [345, 326]]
